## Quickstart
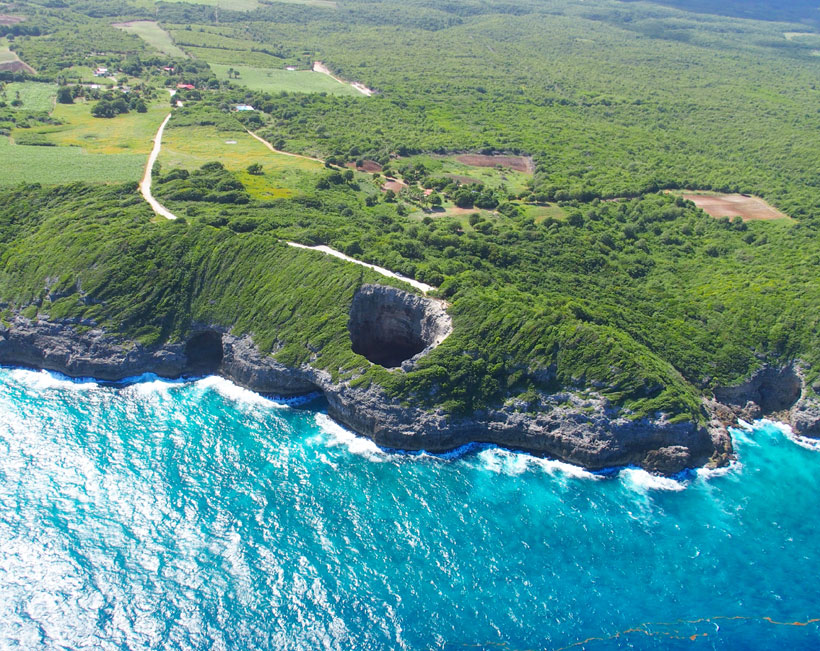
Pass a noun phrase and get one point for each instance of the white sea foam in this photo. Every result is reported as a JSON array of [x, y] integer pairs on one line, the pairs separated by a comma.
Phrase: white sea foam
[[508, 462], [336, 435], [642, 481], [44, 380], [706, 474], [233, 392]]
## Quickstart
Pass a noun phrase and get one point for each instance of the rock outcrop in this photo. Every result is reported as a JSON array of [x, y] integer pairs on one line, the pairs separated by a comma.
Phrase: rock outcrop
[[389, 326], [780, 391], [396, 327]]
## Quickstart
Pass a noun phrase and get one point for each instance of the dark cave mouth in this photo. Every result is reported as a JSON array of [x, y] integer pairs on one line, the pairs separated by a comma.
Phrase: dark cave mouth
[[387, 346], [204, 352]]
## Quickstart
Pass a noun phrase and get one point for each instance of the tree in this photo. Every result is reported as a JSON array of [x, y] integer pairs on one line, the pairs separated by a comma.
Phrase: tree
[[255, 169], [348, 175], [64, 95]]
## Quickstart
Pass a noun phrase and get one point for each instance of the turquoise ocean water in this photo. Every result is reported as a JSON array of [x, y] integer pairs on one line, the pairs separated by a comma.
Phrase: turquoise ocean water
[[163, 515]]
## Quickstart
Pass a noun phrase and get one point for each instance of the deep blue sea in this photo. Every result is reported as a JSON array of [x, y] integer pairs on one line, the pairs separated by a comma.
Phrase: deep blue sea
[[171, 515]]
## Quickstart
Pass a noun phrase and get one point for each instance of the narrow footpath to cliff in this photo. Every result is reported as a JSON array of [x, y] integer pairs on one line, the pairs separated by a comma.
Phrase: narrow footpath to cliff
[[162, 211]]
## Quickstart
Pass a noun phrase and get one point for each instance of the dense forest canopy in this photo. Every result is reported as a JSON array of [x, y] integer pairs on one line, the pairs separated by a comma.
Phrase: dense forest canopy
[[584, 273]]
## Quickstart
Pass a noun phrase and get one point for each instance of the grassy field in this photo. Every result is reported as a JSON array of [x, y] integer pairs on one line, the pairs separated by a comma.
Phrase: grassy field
[[234, 5], [131, 132], [541, 212], [273, 80], [515, 181], [150, 32], [191, 147], [35, 96], [52, 165], [6, 55]]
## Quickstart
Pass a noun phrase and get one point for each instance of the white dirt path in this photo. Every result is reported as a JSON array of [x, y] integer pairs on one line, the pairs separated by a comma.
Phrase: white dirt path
[[162, 211], [279, 151], [384, 272], [145, 184], [318, 66]]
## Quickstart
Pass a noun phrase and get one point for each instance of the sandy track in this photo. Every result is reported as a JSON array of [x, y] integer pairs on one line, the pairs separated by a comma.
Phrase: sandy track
[[145, 184], [162, 211], [384, 272], [279, 151], [318, 66]]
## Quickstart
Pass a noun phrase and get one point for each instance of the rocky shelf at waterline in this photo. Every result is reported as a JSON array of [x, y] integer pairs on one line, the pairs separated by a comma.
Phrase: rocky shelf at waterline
[[585, 430]]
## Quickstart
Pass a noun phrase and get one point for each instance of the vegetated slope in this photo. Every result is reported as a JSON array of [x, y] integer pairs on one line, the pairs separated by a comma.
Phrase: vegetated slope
[[793, 10], [647, 300]]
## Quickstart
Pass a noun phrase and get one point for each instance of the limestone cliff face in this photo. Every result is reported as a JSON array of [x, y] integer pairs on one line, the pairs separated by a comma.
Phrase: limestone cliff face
[[772, 390], [395, 328]]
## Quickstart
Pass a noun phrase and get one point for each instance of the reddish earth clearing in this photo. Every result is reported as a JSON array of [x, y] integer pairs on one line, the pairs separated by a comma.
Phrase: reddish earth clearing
[[16, 66], [6, 19], [518, 163], [396, 186], [369, 166], [735, 205]]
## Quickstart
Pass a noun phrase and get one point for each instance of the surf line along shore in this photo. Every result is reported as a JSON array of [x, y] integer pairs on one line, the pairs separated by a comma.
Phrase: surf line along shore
[[162, 211]]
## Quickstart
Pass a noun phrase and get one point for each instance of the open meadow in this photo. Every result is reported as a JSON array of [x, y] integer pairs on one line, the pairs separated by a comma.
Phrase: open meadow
[[130, 132], [191, 147], [34, 96], [154, 35], [273, 80]]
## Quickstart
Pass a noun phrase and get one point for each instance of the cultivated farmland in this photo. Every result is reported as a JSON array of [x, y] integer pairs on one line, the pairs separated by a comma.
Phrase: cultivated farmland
[[52, 165]]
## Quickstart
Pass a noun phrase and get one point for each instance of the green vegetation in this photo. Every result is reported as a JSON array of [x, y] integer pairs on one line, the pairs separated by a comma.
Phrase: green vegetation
[[154, 35], [50, 165], [277, 80], [30, 95], [583, 274]]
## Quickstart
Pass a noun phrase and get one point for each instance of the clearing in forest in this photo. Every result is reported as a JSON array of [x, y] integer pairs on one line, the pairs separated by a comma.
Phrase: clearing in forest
[[127, 133], [453, 167], [150, 32], [518, 163], [282, 175], [274, 80], [747, 207], [9, 61], [8, 19]]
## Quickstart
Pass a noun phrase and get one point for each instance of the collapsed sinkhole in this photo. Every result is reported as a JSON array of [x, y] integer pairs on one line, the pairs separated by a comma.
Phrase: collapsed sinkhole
[[389, 326], [203, 352]]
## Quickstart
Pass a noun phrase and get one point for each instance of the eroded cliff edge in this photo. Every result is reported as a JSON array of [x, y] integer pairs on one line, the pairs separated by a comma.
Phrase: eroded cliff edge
[[395, 328]]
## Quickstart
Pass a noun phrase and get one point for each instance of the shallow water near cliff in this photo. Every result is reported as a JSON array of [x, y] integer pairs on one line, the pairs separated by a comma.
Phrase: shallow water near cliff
[[199, 515]]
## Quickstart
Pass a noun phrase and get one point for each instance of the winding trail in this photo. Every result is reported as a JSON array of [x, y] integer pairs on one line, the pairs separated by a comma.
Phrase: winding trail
[[145, 184], [162, 211], [384, 272], [279, 151], [318, 66]]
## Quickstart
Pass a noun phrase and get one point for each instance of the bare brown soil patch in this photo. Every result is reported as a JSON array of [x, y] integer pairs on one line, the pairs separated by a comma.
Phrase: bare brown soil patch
[[396, 186], [735, 205], [518, 163], [369, 166], [7, 19], [16, 66]]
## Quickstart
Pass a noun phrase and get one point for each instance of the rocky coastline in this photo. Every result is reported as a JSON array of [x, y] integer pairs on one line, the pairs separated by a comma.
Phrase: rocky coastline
[[584, 430]]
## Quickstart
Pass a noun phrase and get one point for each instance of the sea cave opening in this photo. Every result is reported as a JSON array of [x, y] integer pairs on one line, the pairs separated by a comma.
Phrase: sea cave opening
[[204, 352]]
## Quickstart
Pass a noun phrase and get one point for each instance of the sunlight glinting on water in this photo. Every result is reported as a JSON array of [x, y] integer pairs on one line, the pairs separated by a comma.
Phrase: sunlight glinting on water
[[200, 515]]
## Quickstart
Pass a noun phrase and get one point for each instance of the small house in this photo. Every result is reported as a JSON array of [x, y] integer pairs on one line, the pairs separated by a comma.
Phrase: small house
[[101, 72], [244, 107], [186, 87]]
